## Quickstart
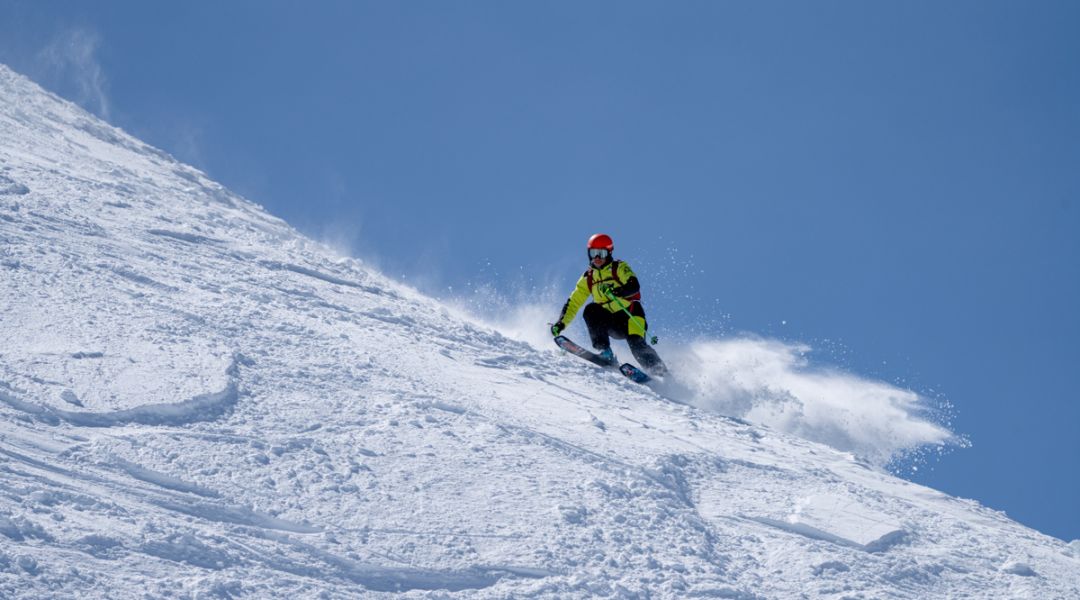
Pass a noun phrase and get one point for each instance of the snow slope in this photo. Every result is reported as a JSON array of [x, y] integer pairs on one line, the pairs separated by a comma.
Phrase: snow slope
[[196, 401]]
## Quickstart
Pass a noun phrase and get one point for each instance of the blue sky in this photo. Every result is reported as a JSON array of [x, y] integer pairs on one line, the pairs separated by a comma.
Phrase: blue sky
[[897, 184]]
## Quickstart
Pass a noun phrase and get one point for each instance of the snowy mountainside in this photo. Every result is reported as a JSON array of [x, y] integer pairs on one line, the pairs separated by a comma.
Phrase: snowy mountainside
[[196, 401]]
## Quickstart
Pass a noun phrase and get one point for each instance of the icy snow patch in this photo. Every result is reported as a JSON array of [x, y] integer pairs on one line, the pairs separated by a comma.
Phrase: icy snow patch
[[840, 520], [1014, 567]]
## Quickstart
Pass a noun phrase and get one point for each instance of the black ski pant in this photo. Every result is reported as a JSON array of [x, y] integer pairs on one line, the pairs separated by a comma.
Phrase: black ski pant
[[604, 325]]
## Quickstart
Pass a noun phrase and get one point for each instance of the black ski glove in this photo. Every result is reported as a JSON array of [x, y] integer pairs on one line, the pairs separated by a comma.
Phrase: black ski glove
[[557, 328], [628, 289]]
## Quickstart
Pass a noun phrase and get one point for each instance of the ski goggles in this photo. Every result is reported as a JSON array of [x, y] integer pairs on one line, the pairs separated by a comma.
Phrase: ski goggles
[[598, 253]]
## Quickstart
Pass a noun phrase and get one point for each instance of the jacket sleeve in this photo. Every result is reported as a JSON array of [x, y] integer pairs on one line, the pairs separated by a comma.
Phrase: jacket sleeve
[[577, 298], [631, 285]]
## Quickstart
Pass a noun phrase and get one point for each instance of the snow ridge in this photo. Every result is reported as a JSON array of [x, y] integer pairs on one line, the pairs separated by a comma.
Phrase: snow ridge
[[199, 402], [204, 407]]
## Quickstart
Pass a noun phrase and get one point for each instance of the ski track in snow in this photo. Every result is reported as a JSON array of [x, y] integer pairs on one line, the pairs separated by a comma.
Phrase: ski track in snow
[[196, 401]]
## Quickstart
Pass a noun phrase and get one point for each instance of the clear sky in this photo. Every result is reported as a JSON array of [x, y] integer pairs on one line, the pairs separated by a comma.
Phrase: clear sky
[[895, 183]]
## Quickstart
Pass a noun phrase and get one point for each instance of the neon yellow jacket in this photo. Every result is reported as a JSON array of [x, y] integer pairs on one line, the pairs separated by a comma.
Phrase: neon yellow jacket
[[617, 275]]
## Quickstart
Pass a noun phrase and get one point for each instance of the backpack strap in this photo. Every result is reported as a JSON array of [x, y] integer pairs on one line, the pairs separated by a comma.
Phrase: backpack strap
[[614, 274]]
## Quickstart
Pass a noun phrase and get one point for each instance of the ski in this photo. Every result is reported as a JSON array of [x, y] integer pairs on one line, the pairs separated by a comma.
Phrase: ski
[[630, 371], [577, 350]]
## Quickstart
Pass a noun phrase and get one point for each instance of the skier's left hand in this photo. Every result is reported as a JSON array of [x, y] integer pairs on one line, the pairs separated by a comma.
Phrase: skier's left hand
[[557, 328], [606, 290]]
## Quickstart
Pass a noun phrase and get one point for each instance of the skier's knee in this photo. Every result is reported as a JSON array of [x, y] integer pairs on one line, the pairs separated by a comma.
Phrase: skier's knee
[[636, 342], [593, 313]]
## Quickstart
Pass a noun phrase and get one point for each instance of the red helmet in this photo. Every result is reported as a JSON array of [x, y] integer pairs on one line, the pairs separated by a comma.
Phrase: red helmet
[[601, 240], [600, 249]]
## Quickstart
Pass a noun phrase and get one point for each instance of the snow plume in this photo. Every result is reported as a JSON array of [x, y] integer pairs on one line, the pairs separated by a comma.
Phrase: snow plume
[[766, 381], [774, 383], [524, 316], [71, 60]]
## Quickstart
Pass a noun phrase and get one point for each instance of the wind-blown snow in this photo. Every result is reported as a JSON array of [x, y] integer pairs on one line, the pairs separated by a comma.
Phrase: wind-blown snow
[[198, 402], [769, 382], [773, 383]]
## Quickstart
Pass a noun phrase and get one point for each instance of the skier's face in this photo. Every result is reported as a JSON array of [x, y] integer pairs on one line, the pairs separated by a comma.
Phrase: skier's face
[[598, 256]]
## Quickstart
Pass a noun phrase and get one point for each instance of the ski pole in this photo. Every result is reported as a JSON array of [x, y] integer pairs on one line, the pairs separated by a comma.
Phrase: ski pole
[[618, 301]]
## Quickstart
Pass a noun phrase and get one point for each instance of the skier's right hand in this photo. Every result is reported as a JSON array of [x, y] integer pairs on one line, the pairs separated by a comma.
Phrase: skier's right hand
[[557, 328]]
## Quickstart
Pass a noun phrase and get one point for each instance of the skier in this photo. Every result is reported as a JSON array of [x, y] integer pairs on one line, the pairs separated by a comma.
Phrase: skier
[[615, 292]]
